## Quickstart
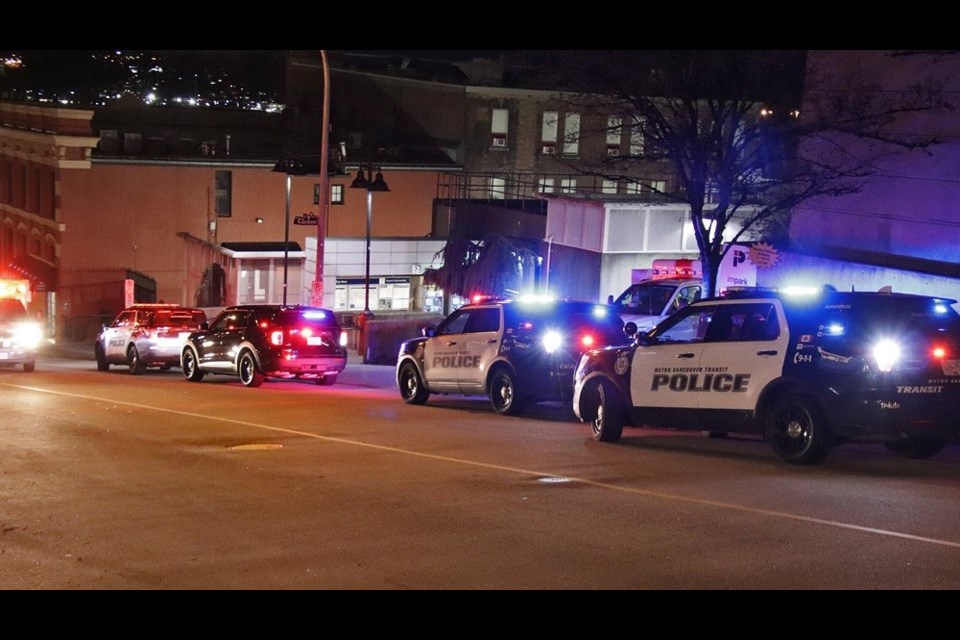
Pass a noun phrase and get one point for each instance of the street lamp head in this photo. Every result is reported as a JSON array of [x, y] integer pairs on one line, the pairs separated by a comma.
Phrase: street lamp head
[[290, 167], [360, 182], [379, 184]]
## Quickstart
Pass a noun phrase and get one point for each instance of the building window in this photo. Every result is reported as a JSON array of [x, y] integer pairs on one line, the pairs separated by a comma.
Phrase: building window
[[498, 188], [609, 187], [636, 139], [223, 185], [131, 142], [632, 188], [108, 140], [336, 194], [548, 132], [571, 134], [499, 124], [658, 186], [568, 185], [546, 185], [614, 135]]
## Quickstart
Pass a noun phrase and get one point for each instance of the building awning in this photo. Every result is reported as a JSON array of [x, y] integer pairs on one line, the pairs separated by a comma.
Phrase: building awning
[[42, 275]]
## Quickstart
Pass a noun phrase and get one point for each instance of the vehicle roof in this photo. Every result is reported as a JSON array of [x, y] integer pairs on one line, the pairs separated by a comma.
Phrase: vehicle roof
[[669, 281], [831, 296]]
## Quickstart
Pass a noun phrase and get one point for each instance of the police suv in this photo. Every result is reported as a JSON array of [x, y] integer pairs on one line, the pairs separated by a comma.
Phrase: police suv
[[805, 372], [146, 335], [514, 351]]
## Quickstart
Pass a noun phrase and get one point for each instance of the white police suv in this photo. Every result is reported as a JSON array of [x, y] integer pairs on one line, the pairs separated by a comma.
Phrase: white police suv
[[514, 351], [806, 372]]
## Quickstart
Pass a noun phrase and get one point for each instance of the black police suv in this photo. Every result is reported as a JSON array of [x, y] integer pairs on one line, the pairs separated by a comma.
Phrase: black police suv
[[806, 372], [262, 341], [514, 351]]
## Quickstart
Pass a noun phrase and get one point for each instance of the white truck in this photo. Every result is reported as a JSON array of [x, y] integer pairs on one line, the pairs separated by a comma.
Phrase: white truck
[[670, 285]]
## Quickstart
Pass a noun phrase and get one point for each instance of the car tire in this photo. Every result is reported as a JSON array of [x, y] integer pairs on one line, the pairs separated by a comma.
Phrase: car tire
[[29, 367], [250, 375], [412, 389], [102, 364], [190, 366], [505, 394], [608, 412], [137, 367], [916, 447], [797, 431], [328, 380]]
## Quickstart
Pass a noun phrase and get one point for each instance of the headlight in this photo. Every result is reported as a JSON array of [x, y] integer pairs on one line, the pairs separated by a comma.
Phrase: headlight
[[552, 341], [28, 335], [887, 354]]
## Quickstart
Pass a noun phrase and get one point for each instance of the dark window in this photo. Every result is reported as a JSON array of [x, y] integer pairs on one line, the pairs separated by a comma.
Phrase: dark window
[[224, 194]]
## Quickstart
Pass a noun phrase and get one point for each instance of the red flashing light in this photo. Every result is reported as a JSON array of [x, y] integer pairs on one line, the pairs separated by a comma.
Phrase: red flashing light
[[587, 341], [939, 352]]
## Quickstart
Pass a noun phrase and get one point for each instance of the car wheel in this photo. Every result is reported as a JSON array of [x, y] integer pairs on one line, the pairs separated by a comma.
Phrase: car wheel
[[505, 394], [102, 364], [250, 376], [796, 430], [608, 413], [916, 447], [191, 369], [29, 366], [328, 380], [137, 367], [412, 389]]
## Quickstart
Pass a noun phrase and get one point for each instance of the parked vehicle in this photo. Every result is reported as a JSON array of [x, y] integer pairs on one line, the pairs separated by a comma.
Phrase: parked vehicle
[[255, 342], [20, 335], [807, 373], [670, 285], [513, 351], [146, 335]]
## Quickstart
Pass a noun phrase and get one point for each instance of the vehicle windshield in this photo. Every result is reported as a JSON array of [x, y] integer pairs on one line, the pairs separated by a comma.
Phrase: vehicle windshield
[[184, 318], [12, 310], [645, 298], [315, 318]]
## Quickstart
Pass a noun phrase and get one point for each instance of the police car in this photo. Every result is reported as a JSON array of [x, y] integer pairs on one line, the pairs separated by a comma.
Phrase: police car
[[513, 351], [806, 372], [146, 335]]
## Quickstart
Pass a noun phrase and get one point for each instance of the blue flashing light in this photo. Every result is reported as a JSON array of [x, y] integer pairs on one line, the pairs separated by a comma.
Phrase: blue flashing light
[[314, 315]]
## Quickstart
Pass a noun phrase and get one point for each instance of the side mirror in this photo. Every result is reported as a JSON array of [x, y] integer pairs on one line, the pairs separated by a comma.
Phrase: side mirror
[[630, 329], [610, 299], [204, 325], [429, 332]]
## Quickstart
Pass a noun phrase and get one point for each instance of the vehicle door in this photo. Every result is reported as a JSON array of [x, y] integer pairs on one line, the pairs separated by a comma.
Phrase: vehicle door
[[480, 342], [116, 337], [441, 352], [743, 350], [667, 357], [218, 347]]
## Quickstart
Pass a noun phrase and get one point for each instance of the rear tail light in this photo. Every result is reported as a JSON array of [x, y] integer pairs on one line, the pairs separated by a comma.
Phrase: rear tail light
[[276, 338], [343, 338]]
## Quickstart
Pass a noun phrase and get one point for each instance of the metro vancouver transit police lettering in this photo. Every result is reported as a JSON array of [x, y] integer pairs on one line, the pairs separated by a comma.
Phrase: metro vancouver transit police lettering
[[721, 382], [456, 361]]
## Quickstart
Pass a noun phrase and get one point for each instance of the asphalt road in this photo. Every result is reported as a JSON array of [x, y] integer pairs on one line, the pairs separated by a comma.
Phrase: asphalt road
[[112, 481]]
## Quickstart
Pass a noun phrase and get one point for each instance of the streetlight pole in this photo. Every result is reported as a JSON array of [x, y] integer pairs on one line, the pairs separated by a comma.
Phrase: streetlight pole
[[371, 184], [286, 239], [317, 299], [290, 168]]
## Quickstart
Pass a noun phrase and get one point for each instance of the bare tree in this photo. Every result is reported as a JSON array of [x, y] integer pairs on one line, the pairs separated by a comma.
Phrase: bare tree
[[748, 135], [495, 265]]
